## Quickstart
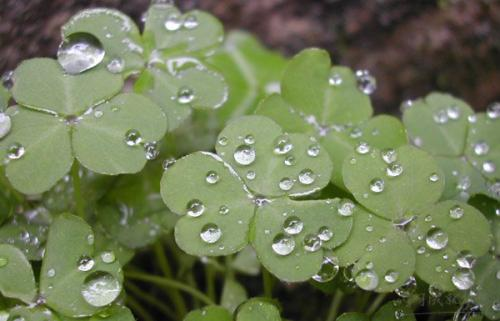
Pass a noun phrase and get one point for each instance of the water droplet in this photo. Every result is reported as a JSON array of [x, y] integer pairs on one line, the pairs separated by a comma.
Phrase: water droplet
[[244, 155], [325, 234], [436, 239], [85, 264], [481, 148], [51, 273], [389, 155], [466, 260], [251, 175], [249, 139], [453, 112], [222, 141], [434, 177], [5, 125], [191, 22], [421, 250], [328, 270], [408, 288], [394, 169], [434, 291], [289, 160], [3, 261], [313, 150], [493, 110], [210, 233], [467, 312], [151, 150], [369, 228], [377, 185], [440, 117], [496, 306], [185, 95], [80, 52], [212, 177], [16, 151], [367, 279], [366, 82], [286, 184], [456, 212], [195, 208], [167, 163], [223, 210], [463, 279], [108, 257], [116, 66], [489, 167], [282, 145], [363, 148], [133, 137], [7, 79], [173, 23], [346, 208], [312, 243], [293, 225], [90, 239], [307, 177], [391, 276], [335, 79], [283, 244], [100, 289]]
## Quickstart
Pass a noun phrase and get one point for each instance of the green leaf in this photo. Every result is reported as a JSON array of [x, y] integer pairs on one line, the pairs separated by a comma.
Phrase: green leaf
[[353, 316], [41, 84], [438, 124], [257, 145], [36, 313], [76, 281], [43, 143], [305, 86], [211, 198], [6, 205], [487, 271], [464, 230], [115, 313], [297, 263], [394, 311], [490, 209], [99, 139], [258, 309], [246, 262], [209, 313], [4, 98], [233, 294], [173, 32], [117, 33], [16, 275], [364, 175]]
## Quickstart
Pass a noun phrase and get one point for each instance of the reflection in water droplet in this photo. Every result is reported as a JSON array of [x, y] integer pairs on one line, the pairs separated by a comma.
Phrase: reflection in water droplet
[[366, 82], [108, 257], [151, 150], [489, 167], [335, 79], [190, 22], [293, 225], [283, 244], [210, 233], [100, 289], [222, 141], [456, 212], [244, 155], [481, 148], [173, 23], [195, 208], [15, 151], [346, 208], [251, 175], [85, 264], [249, 139], [493, 110], [307, 177], [434, 177], [466, 260], [286, 184], [289, 160], [453, 112], [223, 210], [367, 279], [167, 163], [394, 169], [408, 288], [212, 177], [312, 243], [377, 185], [325, 234], [5, 125], [313, 150], [363, 148], [282, 145], [389, 155], [436, 239], [463, 279], [133, 137], [391, 276], [329, 269], [80, 52], [185, 95]]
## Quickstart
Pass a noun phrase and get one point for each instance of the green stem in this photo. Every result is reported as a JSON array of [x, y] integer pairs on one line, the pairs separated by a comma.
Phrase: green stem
[[376, 303], [174, 295], [334, 307], [210, 281], [139, 309], [168, 283], [148, 298], [267, 283], [77, 190]]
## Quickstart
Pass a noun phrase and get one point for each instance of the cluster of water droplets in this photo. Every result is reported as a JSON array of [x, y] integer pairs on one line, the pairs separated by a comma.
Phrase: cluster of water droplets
[[133, 138], [444, 115], [175, 22]]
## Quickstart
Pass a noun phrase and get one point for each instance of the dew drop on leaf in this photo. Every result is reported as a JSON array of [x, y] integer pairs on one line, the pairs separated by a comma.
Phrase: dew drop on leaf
[[328, 270], [436, 239], [283, 244], [456, 212], [167, 163], [408, 288], [244, 155], [173, 23], [195, 208], [313, 150], [440, 117], [466, 260], [346, 208], [108, 257], [251, 175], [289, 160], [391, 276], [366, 82], [307, 177], [3, 261], [463, 279], [185, 95], [367, 279], [222, 141], [335, 79], [481, 148], [15, 151], [325, 234], [312, 243], [133, 137], [434, 177], [85, 264], [100, 289], [223, 210], [51, 273], [489, 167], [286, 184], [453, 112], [493, 110], [212, 177], [282, 145], [190, 22], [5, 125], [363, 148], [293, 225], [394, 169], [377, 185], [116, 65], [389, 155], [496, 306], [151, 150], [80, 52], [249, 139], [210, 233], [7, 79], [434, 291]]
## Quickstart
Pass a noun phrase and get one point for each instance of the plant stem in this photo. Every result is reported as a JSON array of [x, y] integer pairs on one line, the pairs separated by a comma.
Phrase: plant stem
[[139, 309], [77, 190], [210, 281], [376, 303], [175, 296], [148, 298], [168, 283], [267, 283], [334, 307]]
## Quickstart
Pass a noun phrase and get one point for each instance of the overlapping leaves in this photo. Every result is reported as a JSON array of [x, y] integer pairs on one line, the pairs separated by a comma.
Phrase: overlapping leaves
[[253, 309]]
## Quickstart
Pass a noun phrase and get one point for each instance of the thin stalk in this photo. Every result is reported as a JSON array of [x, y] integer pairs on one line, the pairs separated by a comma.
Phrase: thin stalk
[[192, 283], [174, 295], [376, 303], [210, 281], [335, 305], [151, 300], [172, 284], [229, 266], [77, 190], [139, 309], [267, 283]]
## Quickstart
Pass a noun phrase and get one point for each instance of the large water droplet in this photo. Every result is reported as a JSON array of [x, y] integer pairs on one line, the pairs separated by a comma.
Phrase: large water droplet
[[481, 148], [16, 151], [85, 264], [493, 110], [283, 244], [312, 243], [244, 155], [210, 233], [367, 279], [391, 276], [173, 23], [436, 239], [195, 208], [389, 155], [293, 225], [463, 279], [366, 82], [282, 145], [377, 185], [346, 208], [456, 212], [286, 184], [329, 269], [325, 234], [394, 169], [5, 125], [133, 137], [307, 177], [80, 52], [100, 289], [151, 150], [408, 288], [466, 260], [116, 65], [212, 177]]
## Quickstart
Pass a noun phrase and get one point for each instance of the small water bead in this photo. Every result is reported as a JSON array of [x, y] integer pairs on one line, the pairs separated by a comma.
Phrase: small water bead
[[335, 79], [366, 82], [453, 112], [363, 148], [463, 279], [421, 250], [244, 155], [108, 257], [440, 117], [493, 110], [293, 225], [133, 137], [251, 175], [191, 22], [391, 276], [496, 306], [377, 185], [328, 270], [481, 148], [408, 288], [210, 233], [367, 279], [151, 150], [51, 273], [466, 260], [5, 125], [7, 79], [185, 95], [116, 66], [389, 155], [15, 151], [406, 104], [434, 177], [346, 208], [313, 150], [3, 261], [472, 118], [283, 244], [212, 177], [249, 139], [286, 184], [456, 212], [173, 23], [325, 234], [369, 228], [282, 145], [222, 141], [312, 243], [307, 177], [167, 163], [223, 210], [434, 291], [489, 167], [100, 289], [394, 169], [289, 160], [85, 264], [436, 239], [195, 208], [80, 52]]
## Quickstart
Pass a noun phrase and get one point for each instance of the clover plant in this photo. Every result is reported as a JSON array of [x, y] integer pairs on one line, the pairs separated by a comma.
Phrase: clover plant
[[140, 156]]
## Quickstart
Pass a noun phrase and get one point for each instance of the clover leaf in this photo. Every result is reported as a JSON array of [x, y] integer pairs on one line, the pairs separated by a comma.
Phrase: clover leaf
[[394, 311], [16, 275], [63, 116], [463, 143], [209, 313], [407, 232], [258, 309], [233, 294]]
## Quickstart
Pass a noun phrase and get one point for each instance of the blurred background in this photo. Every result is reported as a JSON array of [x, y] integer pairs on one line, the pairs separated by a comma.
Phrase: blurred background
[[411, 46]]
